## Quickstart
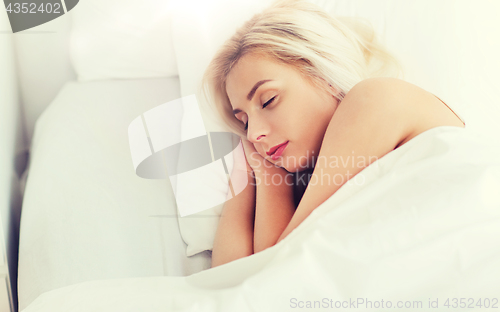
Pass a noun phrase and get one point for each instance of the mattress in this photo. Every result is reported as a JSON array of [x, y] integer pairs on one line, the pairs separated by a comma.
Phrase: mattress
[[86, 214]]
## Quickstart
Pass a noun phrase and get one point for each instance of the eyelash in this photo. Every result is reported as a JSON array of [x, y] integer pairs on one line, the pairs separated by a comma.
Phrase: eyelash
[[263, 106]]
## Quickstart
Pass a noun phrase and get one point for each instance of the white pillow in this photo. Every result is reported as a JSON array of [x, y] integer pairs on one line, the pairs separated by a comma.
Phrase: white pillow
[[423, 36], [197, 33], [122, 39]]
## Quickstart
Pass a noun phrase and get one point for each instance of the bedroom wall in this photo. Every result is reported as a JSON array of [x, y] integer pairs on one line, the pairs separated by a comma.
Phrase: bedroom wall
[[42, 74], [12, 144]]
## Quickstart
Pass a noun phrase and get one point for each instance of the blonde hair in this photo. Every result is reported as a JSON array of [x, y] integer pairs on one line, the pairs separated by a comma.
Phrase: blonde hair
[[339, 50]]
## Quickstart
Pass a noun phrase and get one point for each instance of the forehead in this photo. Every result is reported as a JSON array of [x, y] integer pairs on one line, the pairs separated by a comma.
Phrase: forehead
[[249, 70]]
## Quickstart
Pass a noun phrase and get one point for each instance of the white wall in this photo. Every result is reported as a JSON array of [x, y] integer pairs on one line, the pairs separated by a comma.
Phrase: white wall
[[43, 63], [12, 143]]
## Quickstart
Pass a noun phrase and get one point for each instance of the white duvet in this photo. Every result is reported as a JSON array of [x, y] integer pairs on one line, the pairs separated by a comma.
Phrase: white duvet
[[421, 225]]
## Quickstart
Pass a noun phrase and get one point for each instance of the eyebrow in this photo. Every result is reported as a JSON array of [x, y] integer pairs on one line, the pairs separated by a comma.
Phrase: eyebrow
[[252, 93]]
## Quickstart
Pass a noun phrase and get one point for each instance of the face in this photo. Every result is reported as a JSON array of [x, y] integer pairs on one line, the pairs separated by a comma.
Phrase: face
[[279, 105]]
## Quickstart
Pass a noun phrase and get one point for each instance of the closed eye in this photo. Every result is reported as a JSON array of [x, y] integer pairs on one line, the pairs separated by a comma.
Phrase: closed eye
[[268, 102], [263, 106]]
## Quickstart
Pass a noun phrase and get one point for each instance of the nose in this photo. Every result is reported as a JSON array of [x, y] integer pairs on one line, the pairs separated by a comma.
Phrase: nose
[[257, 131]]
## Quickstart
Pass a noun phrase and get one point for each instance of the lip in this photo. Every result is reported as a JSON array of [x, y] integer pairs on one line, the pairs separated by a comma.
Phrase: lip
[[274, 148]]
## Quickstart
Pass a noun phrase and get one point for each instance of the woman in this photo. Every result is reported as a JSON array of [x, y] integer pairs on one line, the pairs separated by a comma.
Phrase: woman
[[301, 88]]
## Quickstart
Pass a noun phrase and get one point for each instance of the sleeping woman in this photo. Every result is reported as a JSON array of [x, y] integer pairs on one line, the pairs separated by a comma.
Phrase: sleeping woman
[[302, 88]]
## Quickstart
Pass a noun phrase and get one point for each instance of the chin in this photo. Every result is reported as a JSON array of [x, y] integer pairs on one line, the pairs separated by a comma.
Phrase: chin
[[296, 164]]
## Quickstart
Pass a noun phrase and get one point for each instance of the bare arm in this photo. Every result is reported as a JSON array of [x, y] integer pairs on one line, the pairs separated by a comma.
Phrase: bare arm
[[234, 235], [254, 219], [274, 205]]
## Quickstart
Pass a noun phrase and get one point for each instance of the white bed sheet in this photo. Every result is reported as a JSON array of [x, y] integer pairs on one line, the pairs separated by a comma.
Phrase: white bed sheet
[[86, 214], [423, 225]]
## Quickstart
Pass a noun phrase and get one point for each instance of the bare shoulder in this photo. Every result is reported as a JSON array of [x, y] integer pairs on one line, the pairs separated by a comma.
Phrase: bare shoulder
[[396, 93], [387, 105], [403, 106]]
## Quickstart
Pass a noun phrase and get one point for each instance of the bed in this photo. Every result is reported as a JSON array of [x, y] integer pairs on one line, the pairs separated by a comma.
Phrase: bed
[[117, 235], [97, 237]]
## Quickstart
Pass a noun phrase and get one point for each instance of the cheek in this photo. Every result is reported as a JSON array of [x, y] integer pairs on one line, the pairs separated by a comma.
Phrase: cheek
[[261, 151]]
